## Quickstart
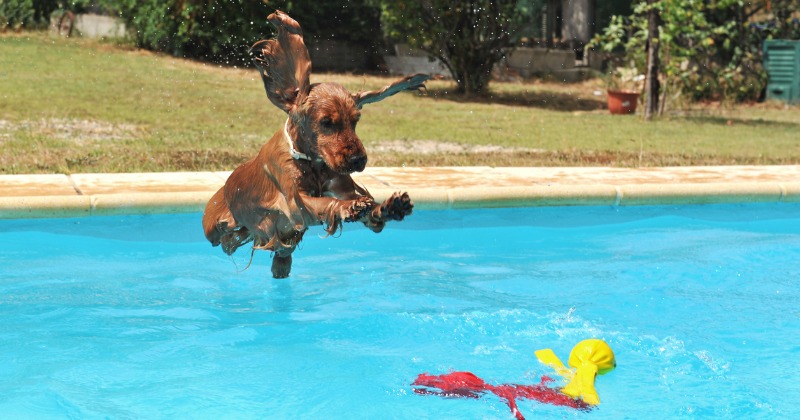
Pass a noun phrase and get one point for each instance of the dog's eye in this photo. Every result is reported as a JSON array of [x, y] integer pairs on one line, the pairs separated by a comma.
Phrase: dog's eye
[[326, 122]]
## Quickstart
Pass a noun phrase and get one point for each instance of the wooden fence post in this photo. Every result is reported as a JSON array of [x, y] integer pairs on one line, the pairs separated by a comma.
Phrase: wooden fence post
[[651, 82]]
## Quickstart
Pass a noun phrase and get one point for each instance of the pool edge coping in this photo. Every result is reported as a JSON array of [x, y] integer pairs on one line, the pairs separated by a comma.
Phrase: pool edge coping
[[782, 185]]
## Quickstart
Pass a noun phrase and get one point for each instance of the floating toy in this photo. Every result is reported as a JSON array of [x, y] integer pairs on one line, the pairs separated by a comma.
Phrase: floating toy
[[590, 358], [467, 385]]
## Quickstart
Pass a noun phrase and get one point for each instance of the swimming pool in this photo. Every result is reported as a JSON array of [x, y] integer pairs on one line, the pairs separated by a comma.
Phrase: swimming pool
[[137, 316]]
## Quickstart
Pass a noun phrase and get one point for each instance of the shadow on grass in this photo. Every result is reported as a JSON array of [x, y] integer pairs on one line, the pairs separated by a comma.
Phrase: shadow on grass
[[719, 120], [572, 158], [543, 99]]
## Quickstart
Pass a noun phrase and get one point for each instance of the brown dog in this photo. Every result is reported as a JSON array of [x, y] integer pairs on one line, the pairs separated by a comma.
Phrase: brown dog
[[301, 177]]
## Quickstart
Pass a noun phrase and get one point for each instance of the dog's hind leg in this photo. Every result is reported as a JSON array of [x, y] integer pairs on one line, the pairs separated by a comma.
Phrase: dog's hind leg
[[281, 266], [220, 227]]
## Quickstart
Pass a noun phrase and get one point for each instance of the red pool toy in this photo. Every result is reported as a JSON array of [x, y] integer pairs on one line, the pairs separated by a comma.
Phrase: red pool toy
[[466, 384]]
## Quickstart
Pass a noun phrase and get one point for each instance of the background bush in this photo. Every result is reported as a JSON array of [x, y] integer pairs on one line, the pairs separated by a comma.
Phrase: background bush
[[222, 31], [28, 14], [468, 37], [710, 50]]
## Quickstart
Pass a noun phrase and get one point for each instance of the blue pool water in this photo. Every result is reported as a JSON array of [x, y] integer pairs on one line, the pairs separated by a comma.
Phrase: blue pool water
[[139, 317]]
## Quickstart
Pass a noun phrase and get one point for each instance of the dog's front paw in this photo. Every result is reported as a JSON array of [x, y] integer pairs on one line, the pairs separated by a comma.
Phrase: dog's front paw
[[358, 208], [396, 207]]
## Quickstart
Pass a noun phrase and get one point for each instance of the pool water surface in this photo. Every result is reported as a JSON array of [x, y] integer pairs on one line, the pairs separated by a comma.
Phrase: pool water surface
[[139, 317]]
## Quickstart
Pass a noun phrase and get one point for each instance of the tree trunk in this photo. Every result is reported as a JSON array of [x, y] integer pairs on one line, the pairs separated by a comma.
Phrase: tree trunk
[[472, 70], [552, 5], [652, 84], [471, 83]]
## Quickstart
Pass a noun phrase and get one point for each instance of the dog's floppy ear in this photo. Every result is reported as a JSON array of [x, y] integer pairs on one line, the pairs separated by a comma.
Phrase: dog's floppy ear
[[284, 63], [415, 82]]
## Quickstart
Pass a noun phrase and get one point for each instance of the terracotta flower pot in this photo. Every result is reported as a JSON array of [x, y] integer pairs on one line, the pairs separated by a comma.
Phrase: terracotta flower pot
[[622, 101]]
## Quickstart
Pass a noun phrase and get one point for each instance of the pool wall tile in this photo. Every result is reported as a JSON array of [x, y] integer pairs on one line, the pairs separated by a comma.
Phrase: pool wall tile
[[707, 193], [524, 196], [45, 206], [791, 191], [173, 202]]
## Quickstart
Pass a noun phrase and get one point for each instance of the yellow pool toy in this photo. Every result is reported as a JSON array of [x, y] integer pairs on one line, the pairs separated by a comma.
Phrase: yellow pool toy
[[590, 358]]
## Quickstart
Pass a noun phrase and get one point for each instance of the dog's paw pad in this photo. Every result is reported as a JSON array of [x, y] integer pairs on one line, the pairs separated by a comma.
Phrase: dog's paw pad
[[397, 207]]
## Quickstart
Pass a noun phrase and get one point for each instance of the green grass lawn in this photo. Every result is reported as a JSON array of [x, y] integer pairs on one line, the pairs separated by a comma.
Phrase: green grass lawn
[[80, 106]]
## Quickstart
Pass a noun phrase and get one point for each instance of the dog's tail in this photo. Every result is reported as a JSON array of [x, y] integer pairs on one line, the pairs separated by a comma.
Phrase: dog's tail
[[220, 226]]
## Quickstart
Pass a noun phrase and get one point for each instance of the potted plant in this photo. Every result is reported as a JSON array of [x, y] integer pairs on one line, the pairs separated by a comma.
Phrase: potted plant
[[624, 87], [618, 43]]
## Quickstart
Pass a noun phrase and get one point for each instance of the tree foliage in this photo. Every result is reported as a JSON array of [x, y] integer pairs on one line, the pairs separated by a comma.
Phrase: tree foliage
[[709, 49], [467, 36], [216, 31], [29, 14], [213, 30]]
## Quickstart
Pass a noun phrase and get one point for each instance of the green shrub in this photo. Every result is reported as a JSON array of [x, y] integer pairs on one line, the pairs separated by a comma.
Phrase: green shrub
[[222, 31], [28, 14], [468, 37], [217, 31], [709, 50]]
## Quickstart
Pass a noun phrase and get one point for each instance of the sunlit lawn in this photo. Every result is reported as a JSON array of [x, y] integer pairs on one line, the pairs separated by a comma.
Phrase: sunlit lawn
[[80, 106]]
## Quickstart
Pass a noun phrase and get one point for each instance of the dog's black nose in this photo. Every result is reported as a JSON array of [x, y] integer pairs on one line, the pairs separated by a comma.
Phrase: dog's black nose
[[358, 163]]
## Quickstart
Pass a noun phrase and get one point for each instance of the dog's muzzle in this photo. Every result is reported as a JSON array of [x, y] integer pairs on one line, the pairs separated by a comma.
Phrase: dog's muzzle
[[357, 163]]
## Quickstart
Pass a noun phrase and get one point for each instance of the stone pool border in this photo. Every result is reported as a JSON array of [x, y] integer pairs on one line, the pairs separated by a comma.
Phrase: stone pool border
[[61, 195]]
